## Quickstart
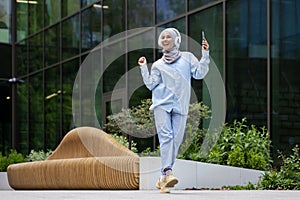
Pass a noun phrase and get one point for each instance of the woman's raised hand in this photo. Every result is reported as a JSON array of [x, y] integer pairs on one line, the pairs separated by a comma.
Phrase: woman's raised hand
[[142, 61], [205, 45]]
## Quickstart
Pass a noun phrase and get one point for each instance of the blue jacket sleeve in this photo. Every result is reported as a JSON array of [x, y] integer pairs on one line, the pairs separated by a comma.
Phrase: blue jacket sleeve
[[150, 80]]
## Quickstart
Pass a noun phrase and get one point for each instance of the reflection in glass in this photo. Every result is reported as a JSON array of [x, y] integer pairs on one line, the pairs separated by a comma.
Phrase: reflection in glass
[[91, 28], [52, 12], [69, 72], [70, 37], [52, 45], [22, 117], [285, 74], [69, 7], [85, 3], [35, 61], [140, 13], [22, 20], [36, 112], [193, 4], [247, 61], [21, 58], [6, 116], [6, 62], [5, 21], [168, 9], [113, 23], [36, 16], [52, 100], [113, 73], [142, 92]]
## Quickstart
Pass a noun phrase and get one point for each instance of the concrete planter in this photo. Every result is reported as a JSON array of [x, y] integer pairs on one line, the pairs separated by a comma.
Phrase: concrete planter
[[4, 181], [193, 174]]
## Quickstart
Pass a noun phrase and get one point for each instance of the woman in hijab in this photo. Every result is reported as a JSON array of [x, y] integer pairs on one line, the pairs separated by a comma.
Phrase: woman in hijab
[[170, 83]]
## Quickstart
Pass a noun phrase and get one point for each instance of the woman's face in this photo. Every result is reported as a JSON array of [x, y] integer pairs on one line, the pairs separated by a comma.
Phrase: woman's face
[[167, 41]]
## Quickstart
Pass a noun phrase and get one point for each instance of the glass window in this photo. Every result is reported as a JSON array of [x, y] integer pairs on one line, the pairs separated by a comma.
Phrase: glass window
[[36, 112], [142, 92], [36, 16], [69, 7], [113, 73], [53, 95], [52, 45], [22, 117], [35, 61], [70, 37], [21, 54], [247, 61], [85, 3], [5, 117], [69, 72], [5, 21], [22, 20], [140, 13], [52, 12], [113, 23], [5, 67], [285, 51], [91, 28], [168, 9], [193, 4]]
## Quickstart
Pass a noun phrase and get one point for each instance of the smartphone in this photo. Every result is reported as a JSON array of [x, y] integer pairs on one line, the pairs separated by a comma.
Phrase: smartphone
[[203, 36]]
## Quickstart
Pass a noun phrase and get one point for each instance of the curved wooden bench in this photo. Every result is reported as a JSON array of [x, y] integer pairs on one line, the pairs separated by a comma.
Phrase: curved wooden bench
[[86, 158]]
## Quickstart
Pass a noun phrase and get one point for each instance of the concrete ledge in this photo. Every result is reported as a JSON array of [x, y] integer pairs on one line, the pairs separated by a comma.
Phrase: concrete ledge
[[190, 174], [196, 174], [4, 185]]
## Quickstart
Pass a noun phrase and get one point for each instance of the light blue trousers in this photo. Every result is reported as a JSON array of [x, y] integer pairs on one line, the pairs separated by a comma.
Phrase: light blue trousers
[[170, 128]]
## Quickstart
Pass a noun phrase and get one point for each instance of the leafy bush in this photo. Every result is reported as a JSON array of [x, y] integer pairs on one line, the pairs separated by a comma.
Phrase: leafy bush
[[241, 145], [123, 140], [139, 122], [38, 155], [12, 158], [149, 152], [288, 177]]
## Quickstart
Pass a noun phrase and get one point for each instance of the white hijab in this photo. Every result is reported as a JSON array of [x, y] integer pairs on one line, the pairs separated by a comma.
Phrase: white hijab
[[173, 54]]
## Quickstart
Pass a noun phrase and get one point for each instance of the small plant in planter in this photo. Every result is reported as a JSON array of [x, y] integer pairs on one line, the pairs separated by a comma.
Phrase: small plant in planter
[[38, 155]]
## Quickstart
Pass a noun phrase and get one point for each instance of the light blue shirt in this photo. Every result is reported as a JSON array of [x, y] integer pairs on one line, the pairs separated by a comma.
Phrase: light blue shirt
[[171, 83]]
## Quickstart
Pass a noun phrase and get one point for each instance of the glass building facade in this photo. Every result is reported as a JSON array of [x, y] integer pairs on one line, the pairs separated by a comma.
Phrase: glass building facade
[[254, 43]]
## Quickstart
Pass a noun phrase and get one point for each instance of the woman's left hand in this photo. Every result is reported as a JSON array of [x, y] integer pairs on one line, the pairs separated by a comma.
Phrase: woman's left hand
[[205, 45]]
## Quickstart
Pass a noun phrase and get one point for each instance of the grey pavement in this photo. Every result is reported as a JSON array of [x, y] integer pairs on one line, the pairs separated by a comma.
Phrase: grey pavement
[[149, 194]]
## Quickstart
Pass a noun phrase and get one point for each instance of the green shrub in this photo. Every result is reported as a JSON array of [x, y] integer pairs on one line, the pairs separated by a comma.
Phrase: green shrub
[[12, 158], [241, 145], [288, 177], [149, 152], [123, 140], [38, 155], [139, 122]]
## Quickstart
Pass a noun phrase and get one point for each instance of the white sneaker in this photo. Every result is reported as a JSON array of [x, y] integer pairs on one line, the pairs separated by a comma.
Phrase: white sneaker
[[160, 184], [170, 179]]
